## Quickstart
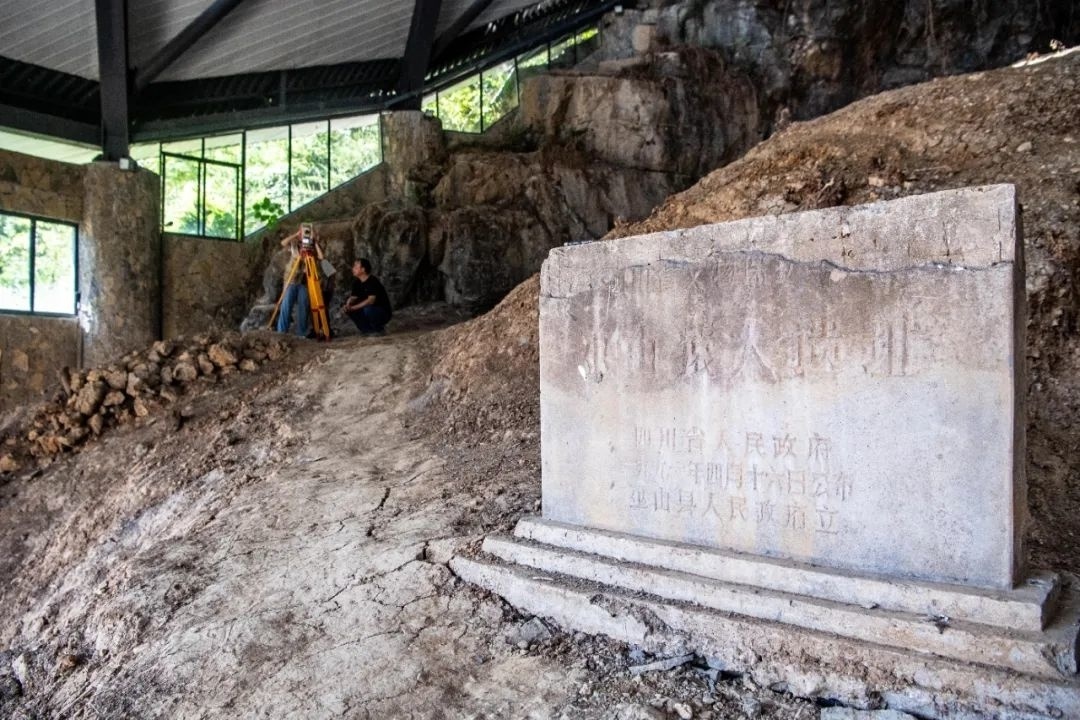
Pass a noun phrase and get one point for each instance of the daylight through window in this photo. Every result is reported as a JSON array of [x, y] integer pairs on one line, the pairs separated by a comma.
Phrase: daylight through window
[[38, 265]]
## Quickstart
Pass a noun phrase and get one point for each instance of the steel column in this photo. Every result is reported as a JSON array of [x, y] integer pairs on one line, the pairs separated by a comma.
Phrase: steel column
[[112, 70]]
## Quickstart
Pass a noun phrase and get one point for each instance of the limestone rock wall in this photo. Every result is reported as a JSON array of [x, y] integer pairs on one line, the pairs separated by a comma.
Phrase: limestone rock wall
[[813, 56], [585, 151], [492, 219], [681, 112]]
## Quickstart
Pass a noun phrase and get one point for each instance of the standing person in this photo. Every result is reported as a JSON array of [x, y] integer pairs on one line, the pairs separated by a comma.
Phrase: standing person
[[296, 292], [368, 305]]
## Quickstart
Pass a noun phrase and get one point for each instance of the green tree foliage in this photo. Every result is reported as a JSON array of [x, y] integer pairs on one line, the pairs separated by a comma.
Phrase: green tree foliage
[[54, 267], [14, 263], [189, 178], [459, 106], [266, 173], [310, 162], [267, 212], [355, 146], [500, 92], [53, 246]]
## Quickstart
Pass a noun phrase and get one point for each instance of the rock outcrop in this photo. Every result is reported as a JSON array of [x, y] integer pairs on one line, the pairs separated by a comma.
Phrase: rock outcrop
[[814, 56], [599, 149], [676, 90]]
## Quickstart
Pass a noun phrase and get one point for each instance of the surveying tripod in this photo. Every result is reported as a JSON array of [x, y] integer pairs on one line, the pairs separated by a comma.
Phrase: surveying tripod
[[319, 320]]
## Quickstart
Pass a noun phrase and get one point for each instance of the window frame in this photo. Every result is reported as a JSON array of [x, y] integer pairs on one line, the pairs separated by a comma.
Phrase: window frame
[[31, 265], [200, 193]]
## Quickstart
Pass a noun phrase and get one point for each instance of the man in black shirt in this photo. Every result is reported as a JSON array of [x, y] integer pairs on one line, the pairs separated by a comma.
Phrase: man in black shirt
[[368, 305]]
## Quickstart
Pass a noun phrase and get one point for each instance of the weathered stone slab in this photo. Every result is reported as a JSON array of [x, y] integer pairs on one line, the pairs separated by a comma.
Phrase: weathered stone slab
[[1029, 606], [805, 662], [1050, 653], [836, 387]]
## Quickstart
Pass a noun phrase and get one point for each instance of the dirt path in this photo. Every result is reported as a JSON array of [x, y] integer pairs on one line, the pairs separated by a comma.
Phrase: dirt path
[[290, 579], [281, 554]]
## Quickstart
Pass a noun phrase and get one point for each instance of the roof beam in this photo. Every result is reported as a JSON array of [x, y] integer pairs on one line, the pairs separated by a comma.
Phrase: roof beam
[[457, 27], [187, 37], [112, 71], [52, 126], [414, 64]]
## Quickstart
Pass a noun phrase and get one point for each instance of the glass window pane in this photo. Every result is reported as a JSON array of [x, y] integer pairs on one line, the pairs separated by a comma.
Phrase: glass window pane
[[562, 54], [191, 148], [14, 263], [181, 211], [221, 202], [225, 148], [266, 195], [587, 42], [534, 63], [500, 92], [459, 106], [54, 268], [310, 162], [355, 146], [148, 155], [430, 105]]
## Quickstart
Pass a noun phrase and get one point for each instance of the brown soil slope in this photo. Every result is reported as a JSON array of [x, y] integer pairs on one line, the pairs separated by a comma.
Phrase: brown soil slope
[[1017, 125]]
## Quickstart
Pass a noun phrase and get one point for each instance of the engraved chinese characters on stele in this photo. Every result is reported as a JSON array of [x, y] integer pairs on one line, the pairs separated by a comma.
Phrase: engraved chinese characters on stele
[[769, 480], [848, 410], [728, 341]]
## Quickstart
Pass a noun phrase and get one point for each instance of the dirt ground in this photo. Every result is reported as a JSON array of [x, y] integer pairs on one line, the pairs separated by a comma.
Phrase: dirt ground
[[275, 546], [281, 554]]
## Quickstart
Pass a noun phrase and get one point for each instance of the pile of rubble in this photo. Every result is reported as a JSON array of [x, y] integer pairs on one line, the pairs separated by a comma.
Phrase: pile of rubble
[[92, 400]]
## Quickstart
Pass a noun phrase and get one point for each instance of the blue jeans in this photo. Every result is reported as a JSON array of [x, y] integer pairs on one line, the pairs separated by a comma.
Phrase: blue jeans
[[296, 295], [369, 319]]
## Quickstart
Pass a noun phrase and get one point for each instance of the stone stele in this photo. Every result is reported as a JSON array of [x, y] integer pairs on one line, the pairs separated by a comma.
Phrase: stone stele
[[835, 387], [814, 419]]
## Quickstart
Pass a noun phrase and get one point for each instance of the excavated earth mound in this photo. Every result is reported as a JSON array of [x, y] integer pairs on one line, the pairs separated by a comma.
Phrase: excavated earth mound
[[1015, 125]]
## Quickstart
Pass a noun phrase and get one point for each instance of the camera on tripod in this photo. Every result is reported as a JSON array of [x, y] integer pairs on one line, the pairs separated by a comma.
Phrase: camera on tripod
[[307, 236]]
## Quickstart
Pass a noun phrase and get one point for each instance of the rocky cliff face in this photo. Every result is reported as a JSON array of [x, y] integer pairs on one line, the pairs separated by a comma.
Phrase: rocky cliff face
[[814, 56], [677, 90], [585, 152]]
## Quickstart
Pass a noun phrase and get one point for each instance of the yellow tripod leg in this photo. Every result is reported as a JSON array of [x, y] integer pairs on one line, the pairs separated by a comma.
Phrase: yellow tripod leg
[[320, 321], [285, 289]]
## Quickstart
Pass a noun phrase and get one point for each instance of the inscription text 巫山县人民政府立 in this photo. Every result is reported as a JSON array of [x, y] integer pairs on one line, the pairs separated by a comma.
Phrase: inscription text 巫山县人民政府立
[[765, 479]]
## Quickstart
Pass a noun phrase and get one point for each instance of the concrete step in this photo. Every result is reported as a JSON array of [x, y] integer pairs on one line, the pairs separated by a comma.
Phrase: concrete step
[[1029, 606], [1048, 653], [804, 662]]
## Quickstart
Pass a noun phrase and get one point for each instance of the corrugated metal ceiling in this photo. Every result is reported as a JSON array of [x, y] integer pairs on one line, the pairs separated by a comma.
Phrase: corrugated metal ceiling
[[258, 36], [266, 63], [57, 34]]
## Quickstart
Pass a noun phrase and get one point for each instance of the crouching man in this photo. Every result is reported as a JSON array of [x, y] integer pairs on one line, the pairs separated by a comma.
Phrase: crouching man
[[368, 305]]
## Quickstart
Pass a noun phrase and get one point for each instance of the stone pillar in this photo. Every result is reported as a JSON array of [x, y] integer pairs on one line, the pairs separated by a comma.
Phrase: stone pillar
[[412, 143], [119, 262]]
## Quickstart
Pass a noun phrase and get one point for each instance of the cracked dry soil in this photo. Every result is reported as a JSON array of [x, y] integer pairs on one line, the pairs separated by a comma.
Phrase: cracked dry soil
[[282, 554]]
